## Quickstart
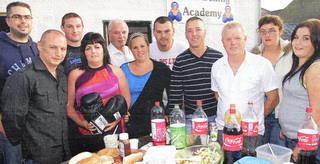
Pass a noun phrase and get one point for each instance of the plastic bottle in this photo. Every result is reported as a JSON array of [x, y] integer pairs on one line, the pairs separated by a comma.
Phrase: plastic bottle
[[158, 125], [308, 138], [227, 114], [200, 123], [178, 130], [232, 139], [124, 145], [249, 126]]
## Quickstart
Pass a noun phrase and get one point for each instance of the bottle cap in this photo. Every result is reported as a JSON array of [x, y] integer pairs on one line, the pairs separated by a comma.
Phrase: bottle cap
[[232, 106], [232, 111], [309, 110], [123, 136], [250, 102], [199, 102], [157, 103], [176, 106]]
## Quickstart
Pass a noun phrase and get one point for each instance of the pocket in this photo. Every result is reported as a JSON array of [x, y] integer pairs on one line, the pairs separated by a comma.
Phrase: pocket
[[41, 99]]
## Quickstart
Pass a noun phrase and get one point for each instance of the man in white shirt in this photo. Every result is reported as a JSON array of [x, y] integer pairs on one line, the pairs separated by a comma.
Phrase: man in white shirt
[[165, 49], [118, 34], [240, 77]]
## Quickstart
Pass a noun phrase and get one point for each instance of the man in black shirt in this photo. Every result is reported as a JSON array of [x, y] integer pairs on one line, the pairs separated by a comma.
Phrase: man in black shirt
[[34, 104]]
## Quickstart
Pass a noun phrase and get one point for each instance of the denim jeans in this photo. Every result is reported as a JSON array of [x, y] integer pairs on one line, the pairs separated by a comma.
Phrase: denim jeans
[[11, 154], [189, 122], [290, 143], [272, 131]]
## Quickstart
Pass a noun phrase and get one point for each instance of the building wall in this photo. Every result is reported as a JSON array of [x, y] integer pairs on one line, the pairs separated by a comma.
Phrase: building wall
[[47, 14]]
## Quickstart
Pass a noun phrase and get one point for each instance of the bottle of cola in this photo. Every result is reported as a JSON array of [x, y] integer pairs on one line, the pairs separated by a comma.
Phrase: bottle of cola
[[158, 125], [232, 139], [308, 138], [200, 123], [249, 126]]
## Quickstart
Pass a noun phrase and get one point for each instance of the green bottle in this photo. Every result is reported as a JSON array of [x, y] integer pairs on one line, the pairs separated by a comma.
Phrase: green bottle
[[178, 130]]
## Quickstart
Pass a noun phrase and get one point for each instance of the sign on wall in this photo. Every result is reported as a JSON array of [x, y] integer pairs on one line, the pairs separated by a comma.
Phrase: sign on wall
[[211, 11]]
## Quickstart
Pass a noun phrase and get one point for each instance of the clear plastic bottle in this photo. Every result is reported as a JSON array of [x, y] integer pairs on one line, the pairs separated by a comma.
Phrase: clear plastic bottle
[[308, 138], [158, 125], [178, 131], [200, 123], [227, 114], [249, 126], [232, 139]]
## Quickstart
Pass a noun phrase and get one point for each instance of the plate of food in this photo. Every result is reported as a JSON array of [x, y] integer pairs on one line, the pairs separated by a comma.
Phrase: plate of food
[[200, 154]]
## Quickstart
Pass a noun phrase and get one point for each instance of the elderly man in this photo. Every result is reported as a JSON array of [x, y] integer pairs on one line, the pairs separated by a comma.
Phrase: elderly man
[[240, 77], [165, 49], [190, 78], [118, 34], [34, 104]]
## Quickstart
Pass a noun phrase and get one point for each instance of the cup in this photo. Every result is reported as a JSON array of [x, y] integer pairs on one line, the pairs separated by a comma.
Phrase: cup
[[134, 143], [111, 141]]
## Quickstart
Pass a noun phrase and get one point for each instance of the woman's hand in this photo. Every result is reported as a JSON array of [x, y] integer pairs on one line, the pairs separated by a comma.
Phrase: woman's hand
[[126, 117], [281, 135], [112, 125], [88, 125], [295, 154]]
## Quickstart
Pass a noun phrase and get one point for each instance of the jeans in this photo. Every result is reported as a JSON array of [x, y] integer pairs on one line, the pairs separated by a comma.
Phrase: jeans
[[189, 122], [291, 143], [11, 154], [272, 131]]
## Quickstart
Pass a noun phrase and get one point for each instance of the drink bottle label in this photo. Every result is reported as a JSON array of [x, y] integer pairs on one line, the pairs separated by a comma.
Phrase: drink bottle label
[[178, 134], [308, 139], [158, 127], [249, 128], [232, 142], [200, 126]]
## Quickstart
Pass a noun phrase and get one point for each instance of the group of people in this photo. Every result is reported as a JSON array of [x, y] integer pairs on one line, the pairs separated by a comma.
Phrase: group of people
[[42, 83]]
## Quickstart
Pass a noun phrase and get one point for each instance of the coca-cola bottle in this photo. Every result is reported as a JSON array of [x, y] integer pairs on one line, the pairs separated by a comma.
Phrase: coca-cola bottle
[[249, 126], [158, 125], [232, 139], [178, 131], [308, 138], [200, 123]]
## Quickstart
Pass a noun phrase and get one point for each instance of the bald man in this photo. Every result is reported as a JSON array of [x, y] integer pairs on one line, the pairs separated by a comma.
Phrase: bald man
[[34, 104]]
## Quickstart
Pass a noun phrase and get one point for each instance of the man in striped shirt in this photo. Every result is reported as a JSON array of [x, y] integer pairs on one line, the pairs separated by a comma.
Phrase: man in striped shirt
[[190, 79]]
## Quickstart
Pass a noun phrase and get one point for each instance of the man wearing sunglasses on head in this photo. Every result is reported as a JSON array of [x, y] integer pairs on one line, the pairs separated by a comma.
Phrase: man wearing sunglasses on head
[[17, 51]]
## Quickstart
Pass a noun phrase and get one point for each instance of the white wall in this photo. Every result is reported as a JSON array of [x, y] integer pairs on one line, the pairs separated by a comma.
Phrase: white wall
[[47, 14]]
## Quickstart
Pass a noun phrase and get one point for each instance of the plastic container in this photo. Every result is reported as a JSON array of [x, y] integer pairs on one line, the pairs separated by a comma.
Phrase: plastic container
[[281, 154]]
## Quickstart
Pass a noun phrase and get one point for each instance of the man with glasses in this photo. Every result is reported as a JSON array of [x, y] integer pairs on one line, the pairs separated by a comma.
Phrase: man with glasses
[[17, 51]]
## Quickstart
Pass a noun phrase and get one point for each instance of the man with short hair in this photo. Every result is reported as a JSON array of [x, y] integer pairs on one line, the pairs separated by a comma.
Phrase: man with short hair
[[118, 32], [17, 51], [240, 77], [72, 26], [165, 49], [190, 78], [34, 104]]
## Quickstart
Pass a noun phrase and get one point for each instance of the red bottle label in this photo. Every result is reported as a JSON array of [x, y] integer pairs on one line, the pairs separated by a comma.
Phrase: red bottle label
[[200, 126], [249, 128], [158, 127], [308, 139], [232, 142]]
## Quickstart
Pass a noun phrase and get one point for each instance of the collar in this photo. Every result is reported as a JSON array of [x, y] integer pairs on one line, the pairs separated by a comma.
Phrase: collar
[[247, 58], [39, 65], [113, 50]]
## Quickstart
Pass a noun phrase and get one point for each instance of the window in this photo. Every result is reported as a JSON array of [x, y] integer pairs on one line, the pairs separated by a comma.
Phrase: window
[[134, 26], [3, 24]]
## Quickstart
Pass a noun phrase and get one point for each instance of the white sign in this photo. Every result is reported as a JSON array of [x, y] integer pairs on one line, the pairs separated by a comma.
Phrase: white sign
[[211, 11]]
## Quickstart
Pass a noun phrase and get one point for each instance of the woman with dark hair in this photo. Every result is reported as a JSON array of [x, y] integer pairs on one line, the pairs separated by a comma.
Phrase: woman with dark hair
[[147, 80], [278, 52], [96, 74], [301, 87]]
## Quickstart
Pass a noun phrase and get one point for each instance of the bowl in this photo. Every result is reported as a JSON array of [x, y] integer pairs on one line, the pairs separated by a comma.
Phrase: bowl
[[200, 154], [280, 154]]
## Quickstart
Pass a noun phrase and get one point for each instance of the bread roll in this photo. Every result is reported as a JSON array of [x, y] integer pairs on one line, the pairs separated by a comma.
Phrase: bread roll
[[105, 160], [79, 157], [90, 160], [113, 152], [132, 158]]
